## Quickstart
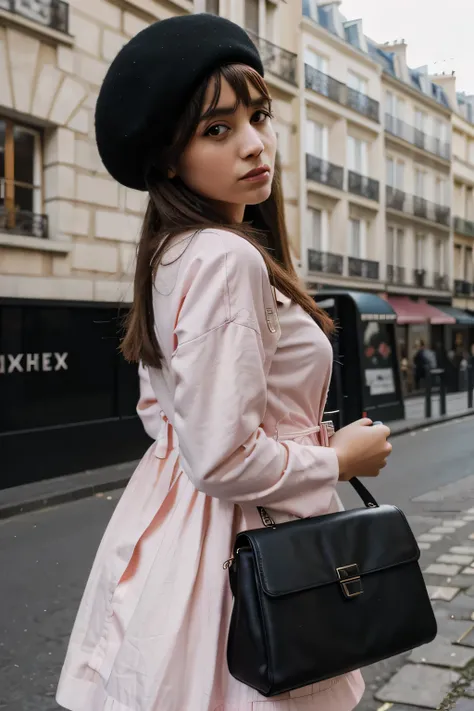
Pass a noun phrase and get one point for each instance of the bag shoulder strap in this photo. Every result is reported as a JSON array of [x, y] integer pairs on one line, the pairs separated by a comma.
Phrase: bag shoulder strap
[[363, 492]]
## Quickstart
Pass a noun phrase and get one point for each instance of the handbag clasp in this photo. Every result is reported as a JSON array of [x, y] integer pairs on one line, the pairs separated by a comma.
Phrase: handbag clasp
[[349, 578]]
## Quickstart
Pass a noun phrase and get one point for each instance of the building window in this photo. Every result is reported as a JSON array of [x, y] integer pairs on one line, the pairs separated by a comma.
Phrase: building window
[[391, 173], [212, 6], [357, 238], [310, 9], [439, 255], [420, 120], [419, 250], [396, 246], [395, 173], [357, 155], [315, 60], [271, 24], [419, 183], [442, 192], [399, 249], [394, 105], [400, 174], [251, 17], [317, 229], [468, 266], [458, 262], [469, 207], [356, 82], [317, 139], [20, 179], [441, 131]]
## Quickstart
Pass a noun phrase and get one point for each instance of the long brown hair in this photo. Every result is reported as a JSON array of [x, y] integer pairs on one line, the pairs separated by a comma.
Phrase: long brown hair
[[173, 209]]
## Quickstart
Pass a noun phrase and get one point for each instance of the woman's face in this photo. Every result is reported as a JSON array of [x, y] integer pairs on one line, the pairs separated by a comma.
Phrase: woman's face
[[230, 159]]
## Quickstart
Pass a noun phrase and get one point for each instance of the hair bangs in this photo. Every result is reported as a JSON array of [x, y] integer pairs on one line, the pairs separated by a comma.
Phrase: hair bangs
[[241, 79]]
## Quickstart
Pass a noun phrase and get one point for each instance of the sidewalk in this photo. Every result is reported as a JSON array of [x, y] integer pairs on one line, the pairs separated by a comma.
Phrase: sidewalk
[[456, 406], [51, 492], [439, 675]]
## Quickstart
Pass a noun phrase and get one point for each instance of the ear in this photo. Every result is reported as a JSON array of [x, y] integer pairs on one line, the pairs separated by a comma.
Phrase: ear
[[171, 173]]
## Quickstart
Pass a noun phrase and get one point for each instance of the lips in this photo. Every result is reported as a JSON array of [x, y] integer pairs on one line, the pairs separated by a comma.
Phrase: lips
[[256, 172]]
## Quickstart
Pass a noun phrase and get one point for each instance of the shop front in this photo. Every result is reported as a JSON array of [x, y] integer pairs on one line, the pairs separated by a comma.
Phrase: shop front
[[68, 396], [418, 322], [366, 374], [459, 347]]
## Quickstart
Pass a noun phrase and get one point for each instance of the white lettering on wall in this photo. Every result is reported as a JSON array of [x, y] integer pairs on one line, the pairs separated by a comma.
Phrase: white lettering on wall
[[60, 361], [14, 363], [46, 361], [32, 362]]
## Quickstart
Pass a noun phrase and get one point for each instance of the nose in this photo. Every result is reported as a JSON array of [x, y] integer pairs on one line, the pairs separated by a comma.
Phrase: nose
[[251, 144]]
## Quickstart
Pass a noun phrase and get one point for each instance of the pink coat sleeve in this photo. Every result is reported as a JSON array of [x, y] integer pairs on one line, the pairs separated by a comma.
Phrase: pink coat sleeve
[[148, 408], [221, 394]]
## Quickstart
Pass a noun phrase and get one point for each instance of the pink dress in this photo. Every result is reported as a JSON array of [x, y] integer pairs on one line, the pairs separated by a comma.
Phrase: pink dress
[[241, 396]]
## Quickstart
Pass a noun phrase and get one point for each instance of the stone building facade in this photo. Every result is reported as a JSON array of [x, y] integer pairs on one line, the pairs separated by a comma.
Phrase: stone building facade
[[68, 230]]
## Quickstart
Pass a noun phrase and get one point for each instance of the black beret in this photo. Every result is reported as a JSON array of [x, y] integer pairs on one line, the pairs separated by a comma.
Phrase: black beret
[[151, 79]]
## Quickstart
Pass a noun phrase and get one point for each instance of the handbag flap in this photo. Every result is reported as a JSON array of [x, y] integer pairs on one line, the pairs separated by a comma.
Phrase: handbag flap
[[307, 553]]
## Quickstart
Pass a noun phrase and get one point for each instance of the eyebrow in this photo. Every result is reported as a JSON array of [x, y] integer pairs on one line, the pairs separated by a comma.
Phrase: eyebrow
[[228, 110]]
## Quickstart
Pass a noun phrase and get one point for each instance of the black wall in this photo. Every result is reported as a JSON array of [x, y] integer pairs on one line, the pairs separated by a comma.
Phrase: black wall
[[67, 396]]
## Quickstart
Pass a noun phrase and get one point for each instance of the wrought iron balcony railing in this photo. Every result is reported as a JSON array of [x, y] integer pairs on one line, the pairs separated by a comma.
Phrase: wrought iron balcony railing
[[464, 227], [419, 277], [440, 282], [50, 13], [325, 262], [417, 206], [22, 222], [324, 172], [276, 60], [416, 137], [395, 275], [343, 94], [363, 186], [463, 287], [363, 104], [364, 268], [395, 199]]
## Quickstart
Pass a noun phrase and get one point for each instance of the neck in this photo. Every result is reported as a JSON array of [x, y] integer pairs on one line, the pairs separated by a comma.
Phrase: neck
[[233, 213]]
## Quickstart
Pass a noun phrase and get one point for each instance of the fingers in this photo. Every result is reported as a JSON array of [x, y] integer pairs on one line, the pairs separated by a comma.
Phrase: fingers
[[366, 421], [383, 428]]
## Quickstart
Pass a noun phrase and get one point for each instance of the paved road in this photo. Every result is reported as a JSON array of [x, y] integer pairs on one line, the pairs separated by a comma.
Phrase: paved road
[[45, 558]]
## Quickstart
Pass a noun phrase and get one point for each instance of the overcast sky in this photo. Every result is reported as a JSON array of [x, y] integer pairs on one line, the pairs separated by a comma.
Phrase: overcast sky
[[439, 34]]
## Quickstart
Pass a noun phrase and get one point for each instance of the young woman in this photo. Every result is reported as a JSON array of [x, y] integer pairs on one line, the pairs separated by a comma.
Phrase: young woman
[[239, 362]]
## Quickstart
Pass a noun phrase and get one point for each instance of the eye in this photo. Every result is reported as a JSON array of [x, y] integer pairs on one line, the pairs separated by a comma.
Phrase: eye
[[216, 131], [261, 116]]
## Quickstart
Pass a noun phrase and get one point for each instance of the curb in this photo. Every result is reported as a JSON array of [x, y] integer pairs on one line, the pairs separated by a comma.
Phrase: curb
[[406, 429], [83, 491]]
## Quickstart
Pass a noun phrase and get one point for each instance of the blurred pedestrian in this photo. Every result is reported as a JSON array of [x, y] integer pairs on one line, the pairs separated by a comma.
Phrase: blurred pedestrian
[[239, 361], [424, 360]]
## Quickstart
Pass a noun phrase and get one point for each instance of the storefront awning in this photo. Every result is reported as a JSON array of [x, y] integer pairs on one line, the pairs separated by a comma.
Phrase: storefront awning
[[463, 318], [370, 306], [409, 311]]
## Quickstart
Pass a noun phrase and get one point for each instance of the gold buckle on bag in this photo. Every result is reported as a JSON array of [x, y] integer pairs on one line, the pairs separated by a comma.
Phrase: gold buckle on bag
[[349, 578]]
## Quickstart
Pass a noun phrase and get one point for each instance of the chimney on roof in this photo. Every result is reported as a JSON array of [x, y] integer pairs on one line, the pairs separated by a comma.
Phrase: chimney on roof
[[448, 83], [399, 49]]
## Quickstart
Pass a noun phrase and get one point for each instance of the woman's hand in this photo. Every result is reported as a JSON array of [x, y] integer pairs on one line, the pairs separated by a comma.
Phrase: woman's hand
[[362, 449]]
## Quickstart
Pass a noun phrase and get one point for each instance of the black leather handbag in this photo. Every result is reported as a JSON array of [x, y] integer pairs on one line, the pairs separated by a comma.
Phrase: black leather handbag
[[319, 597]]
